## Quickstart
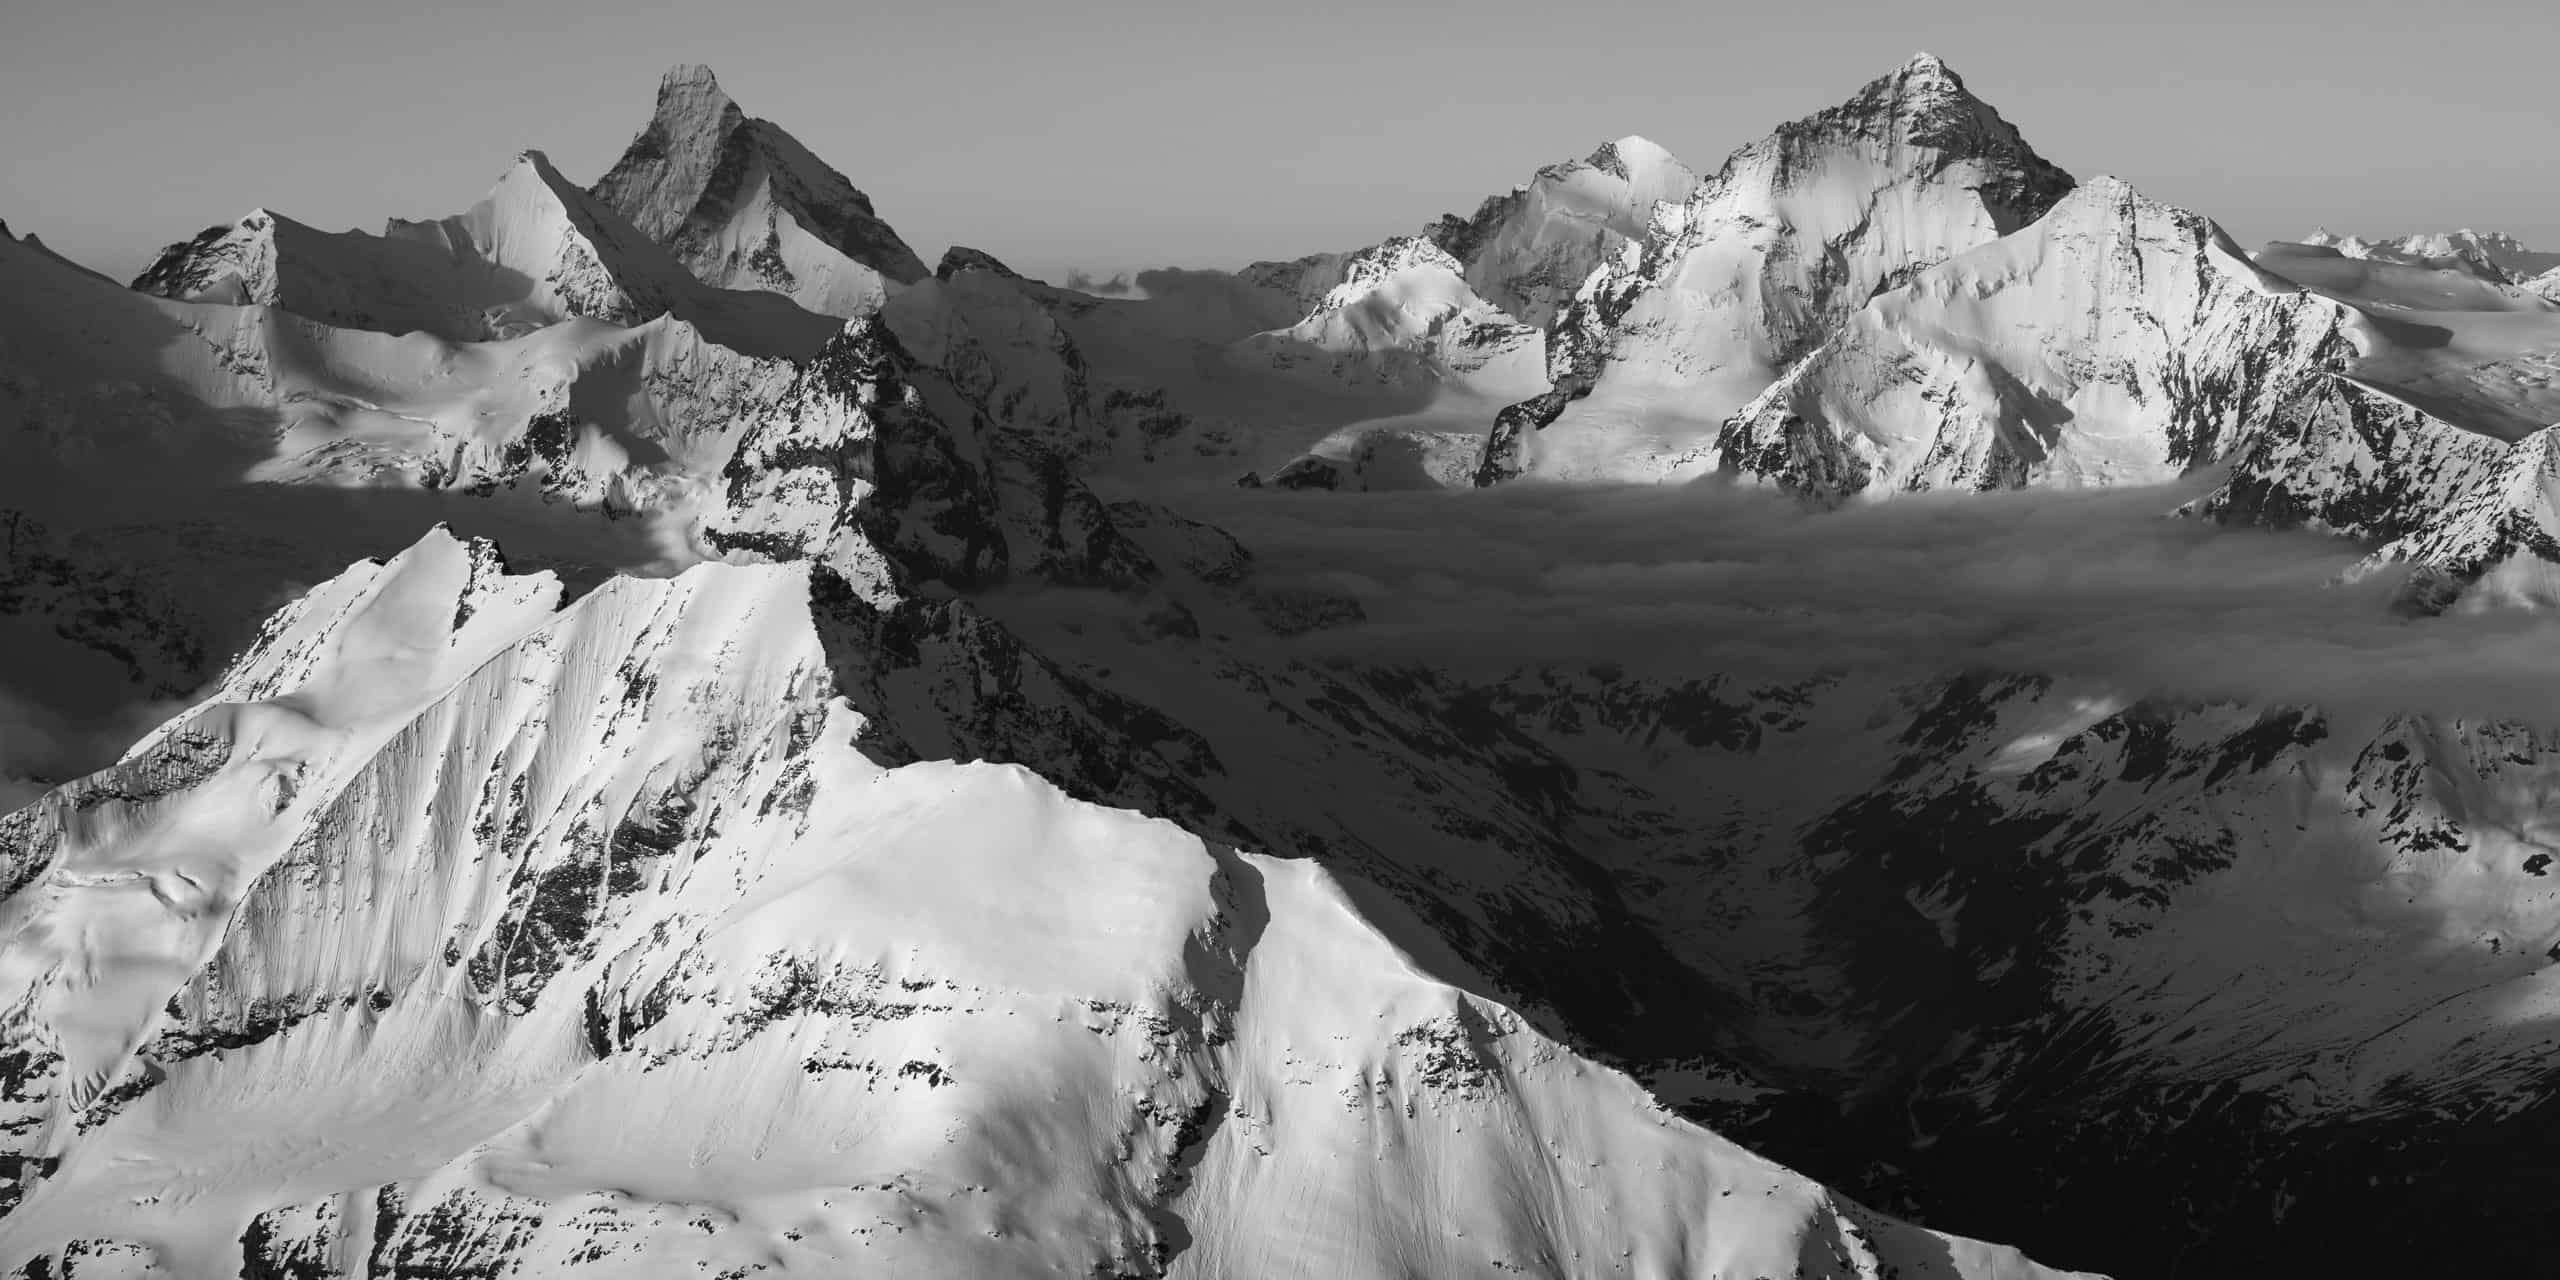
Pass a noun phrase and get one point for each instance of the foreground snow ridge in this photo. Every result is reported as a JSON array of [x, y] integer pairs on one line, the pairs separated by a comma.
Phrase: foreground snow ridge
[[421, 946]]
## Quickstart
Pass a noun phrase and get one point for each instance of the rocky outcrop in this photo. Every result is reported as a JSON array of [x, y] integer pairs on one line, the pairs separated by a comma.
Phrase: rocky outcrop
[[880, 469], [2342, 457], [743, 205]]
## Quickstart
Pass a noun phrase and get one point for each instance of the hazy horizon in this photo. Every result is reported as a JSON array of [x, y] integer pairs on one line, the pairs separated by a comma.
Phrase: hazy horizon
[[1141, 133]]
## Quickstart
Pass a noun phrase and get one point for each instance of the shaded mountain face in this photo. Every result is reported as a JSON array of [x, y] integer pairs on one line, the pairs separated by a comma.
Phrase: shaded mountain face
[[536, 251], [1049, 863], [743, 205], [134, 392]]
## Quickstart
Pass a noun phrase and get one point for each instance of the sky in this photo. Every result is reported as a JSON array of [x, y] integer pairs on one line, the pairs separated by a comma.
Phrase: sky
[[1119, 134]]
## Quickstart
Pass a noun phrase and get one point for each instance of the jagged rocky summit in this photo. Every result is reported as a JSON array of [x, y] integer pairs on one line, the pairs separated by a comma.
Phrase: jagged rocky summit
[[743, 205], [1727, 289]]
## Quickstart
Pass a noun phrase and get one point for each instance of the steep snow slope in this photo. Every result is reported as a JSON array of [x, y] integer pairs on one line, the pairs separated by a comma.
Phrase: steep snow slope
[[2496, 544], [1402, 312], [2345, 457], [419, 946], [1529, 251], [743, 205], [535, 251], [629, 419], [1790, 237], [2115, 341], [2121, 341]]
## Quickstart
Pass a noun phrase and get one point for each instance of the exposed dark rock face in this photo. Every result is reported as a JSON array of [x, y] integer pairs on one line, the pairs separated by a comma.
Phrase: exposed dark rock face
[[860, 465], [690, 171], [104, 607]]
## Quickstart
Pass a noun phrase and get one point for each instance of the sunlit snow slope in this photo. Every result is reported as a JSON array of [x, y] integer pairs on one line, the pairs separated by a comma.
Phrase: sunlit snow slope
[[420, 946], [1724, 291]]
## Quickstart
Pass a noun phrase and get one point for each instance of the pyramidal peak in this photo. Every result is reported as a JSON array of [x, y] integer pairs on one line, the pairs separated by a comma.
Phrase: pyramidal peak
[[744, 205], [1628, 157], [960, 257], [538, 165], [689, 89], [1922, 92]]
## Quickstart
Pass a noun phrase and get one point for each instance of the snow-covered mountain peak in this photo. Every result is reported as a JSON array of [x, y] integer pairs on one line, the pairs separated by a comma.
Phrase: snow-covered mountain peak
[[2504, 255], [1404, 313], [1793, 234], [675, 153], [743, 204], [2117, 340], [1922, 89], [536, 249], [692, 103], [2107, 205], [467, 934], [1632, 158], [1362, 272], [1924, 104], [1527, 250]]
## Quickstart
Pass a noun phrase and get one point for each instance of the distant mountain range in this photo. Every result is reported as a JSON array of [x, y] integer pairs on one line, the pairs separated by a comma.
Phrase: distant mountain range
[[640, 730]]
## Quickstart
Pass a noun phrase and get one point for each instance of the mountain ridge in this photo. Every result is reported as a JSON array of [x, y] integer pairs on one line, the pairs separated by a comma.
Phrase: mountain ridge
[[1051, 856]]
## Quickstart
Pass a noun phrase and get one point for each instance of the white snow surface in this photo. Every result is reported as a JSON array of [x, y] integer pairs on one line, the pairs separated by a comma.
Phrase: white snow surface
[[537, 250], [626, 418], [1529, 251], [1725, 291], [424, 940], [2113, 342], [1401, 313]]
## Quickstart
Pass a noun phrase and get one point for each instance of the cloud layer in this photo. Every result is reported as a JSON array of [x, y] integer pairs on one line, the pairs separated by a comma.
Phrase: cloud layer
[[1711, 578]]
